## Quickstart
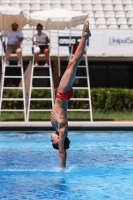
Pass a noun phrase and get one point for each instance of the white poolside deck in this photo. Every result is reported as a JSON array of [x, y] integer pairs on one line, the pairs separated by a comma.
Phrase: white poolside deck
[[73, 125]]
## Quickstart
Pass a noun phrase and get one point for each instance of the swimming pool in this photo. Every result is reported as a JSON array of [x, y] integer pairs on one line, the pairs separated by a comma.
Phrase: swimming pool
[[99, 167]]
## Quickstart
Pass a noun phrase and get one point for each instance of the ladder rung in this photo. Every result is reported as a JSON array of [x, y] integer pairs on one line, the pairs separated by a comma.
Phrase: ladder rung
[[13, 66], [81, 66], [12, 88], [81, 77], [12, 76], [41, 77], [80, 99], [81, 88], [40, 99], [13, 99], [39, 110], [12, 110], [78, 109], [38, 88], [40, 66]]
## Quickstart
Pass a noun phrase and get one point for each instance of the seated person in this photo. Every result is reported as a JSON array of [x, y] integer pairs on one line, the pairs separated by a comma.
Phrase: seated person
[[15, 38], [41, 41]]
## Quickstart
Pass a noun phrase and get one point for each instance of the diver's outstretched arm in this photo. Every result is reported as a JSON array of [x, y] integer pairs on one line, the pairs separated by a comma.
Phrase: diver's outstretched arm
[[68, 77], [62, 151]]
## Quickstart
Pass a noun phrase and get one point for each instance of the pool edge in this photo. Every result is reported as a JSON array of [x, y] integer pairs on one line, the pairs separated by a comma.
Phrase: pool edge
[[73, 125]]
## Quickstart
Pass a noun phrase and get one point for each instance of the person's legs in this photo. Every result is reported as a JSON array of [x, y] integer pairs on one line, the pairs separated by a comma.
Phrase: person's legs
[[36, 59], [37, 50], [8, 52], [68, 77], [19, 53], [46, 52]]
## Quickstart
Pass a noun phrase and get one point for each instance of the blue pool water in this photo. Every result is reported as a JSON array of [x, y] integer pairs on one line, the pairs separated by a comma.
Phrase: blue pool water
[[99, 167]]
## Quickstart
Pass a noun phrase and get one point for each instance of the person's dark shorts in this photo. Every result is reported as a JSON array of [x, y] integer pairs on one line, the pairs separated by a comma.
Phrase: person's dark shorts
[[42, 47]]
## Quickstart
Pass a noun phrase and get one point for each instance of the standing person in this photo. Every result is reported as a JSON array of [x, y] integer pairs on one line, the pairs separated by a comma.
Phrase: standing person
[[15, 38], [41, 41], [64, 92]]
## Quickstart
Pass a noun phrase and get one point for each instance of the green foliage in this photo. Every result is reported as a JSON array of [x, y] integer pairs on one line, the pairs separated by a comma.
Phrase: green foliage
[[103, 99], [12, 94], [112, 99], [41, 93]]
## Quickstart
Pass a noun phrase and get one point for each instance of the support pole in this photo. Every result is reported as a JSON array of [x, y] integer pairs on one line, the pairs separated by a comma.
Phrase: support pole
[[58, 50]]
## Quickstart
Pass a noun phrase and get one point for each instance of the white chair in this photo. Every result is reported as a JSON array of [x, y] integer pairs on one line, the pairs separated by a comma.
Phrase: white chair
[[57, 5], [66, 1], [100, 20], [129, 14], [75, 1], [77, 7], [129, 7], [90, 13], [111, 20], [92, 26], [106, 2], [45, 1], [35, 1], [96, 1], [46, 6], [98, 7], [24, 1], [91, 20], [67, 6], [15, 1], [130, 21], [25, 6], [124, 26], [116, 2], [86, 1], [127, 2], [99, 13], [87, 7], [112, 26], [4, 1], [102, 26], [108, 7], [131, 27], [16, 5], [109, 13], [120, 13], [56, 1], [35, 7], [118, 7], [121, 20], [5, 4]]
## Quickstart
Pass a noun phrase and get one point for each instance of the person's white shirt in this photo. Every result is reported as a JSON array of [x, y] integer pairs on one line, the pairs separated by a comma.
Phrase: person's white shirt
[[40, 38], [12, 36]]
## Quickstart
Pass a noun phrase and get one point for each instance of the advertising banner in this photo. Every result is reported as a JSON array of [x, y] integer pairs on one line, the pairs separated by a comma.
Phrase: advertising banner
[[101, 43]]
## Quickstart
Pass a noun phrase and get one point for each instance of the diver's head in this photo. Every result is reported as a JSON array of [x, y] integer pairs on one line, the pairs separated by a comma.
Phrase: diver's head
[[55, 141]]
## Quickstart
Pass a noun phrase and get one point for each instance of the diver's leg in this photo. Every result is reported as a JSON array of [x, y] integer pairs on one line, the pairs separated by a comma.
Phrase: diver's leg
[[68, 77]]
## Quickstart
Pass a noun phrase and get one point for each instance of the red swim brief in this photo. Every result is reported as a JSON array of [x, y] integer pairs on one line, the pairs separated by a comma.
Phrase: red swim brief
[[64, 95]]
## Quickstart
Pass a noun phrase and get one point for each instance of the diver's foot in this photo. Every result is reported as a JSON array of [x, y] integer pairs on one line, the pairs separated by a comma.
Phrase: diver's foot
[[86, 32]]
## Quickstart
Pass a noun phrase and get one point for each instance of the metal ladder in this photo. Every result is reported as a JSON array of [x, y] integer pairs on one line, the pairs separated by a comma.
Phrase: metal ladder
[[48, 75], [72, 51], [3, 87]]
